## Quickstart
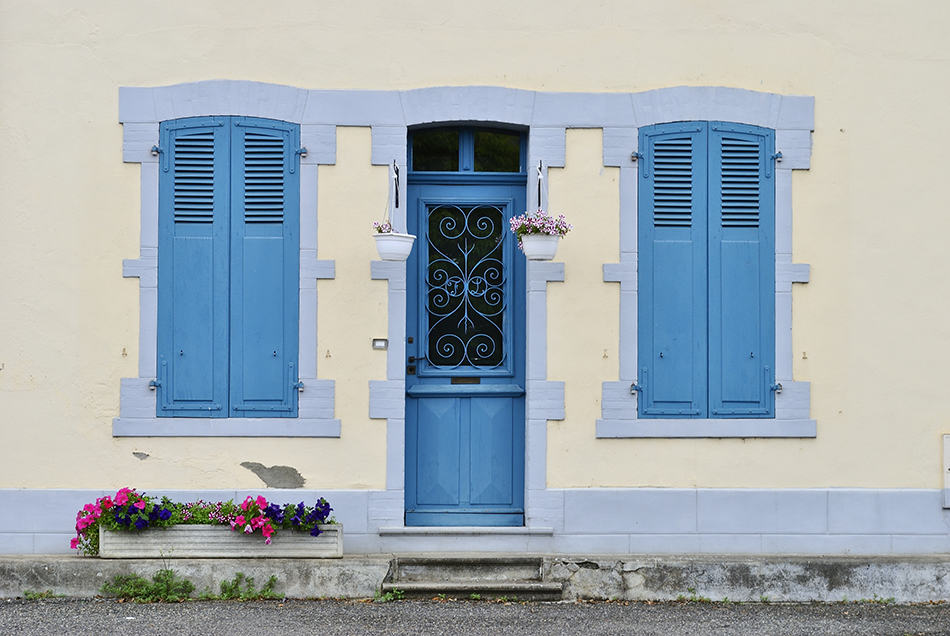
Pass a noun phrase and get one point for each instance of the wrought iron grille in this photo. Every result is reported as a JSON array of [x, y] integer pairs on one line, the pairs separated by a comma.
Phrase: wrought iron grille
[[465, 286]]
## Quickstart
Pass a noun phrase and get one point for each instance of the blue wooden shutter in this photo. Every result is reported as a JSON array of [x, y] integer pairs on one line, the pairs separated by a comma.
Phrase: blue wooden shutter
[[741, 271], [265, 191], [672, 271], [193, 268]]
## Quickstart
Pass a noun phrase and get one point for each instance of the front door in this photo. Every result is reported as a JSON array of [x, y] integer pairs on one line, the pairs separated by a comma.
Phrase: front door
[[465, 372]]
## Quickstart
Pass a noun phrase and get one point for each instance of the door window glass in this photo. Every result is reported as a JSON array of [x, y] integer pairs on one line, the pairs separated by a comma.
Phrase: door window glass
[[435, 150]]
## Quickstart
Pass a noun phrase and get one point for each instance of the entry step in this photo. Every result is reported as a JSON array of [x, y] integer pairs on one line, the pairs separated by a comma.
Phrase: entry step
[[512, 590], [467, 569]]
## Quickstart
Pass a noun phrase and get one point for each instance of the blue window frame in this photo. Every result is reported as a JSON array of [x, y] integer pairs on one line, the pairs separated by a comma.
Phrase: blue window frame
[[706, 317], [228, 268], [466, 151]]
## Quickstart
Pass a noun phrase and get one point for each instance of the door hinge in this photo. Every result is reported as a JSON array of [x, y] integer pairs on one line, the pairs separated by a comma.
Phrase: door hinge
[[777, 387], [635, 388], [153, 384], [299, 386]]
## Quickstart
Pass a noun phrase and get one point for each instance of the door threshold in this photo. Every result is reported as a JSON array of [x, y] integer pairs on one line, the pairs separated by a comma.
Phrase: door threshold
[[430, 531]]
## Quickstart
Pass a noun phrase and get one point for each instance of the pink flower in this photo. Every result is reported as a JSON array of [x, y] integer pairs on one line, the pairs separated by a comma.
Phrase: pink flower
[[246, 503], [261, 502], [122, 497], [267, 531], [239, 520], [248, 529], [267, 541], [106, 503], [74, 543], [139, 504]]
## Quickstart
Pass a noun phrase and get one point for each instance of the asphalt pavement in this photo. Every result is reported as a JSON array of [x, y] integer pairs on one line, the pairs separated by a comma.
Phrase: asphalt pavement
[[457, 617]]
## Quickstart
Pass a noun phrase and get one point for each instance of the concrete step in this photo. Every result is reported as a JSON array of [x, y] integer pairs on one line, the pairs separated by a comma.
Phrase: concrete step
[[511, 590], [474, 569]]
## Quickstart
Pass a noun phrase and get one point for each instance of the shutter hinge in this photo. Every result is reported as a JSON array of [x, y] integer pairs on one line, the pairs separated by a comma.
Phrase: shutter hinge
[[635, 388], [777, 387], [302, 151], [299, 386], [153, 384], [635, 155], [156, 151], [777, 157]]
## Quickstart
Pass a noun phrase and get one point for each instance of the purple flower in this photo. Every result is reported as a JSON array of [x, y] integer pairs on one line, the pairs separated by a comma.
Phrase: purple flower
[[275, 513]]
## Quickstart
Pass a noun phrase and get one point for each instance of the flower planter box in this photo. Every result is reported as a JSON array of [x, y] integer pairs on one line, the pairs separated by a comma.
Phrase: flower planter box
[[199, 541]]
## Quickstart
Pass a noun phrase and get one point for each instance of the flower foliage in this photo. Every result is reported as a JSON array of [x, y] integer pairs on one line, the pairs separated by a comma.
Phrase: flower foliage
[[129, 510], [126, 510], [539, 222], [383, 228]]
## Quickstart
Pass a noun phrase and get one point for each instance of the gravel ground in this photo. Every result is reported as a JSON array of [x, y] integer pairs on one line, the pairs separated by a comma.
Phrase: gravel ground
[[98, 616]]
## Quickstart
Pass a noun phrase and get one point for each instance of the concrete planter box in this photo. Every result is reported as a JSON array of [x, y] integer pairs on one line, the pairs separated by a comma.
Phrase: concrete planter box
[[219, 541]]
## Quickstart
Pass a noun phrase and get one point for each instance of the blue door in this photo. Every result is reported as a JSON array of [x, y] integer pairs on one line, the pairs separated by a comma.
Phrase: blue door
[[465, 372]]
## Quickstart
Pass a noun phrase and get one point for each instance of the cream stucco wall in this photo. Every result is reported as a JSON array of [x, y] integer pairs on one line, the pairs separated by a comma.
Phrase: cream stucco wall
[[869, 329]]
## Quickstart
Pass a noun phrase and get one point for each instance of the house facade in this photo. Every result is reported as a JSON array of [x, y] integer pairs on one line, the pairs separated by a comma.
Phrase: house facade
[[736, 349]]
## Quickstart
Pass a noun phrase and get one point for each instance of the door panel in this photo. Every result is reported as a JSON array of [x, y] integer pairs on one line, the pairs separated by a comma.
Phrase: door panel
[[492, 451], [439, 434], [465, 373]]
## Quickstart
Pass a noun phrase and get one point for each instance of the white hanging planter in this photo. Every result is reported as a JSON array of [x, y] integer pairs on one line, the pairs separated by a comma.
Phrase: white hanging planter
[[539, 247], [393, 246]]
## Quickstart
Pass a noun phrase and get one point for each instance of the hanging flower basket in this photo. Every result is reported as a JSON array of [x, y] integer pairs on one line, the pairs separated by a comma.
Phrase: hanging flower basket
[[393, 246], [538, 234]]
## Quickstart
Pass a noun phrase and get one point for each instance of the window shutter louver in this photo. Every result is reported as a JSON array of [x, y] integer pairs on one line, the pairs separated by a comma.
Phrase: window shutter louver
[[741, 271], [193, 269], [672, 275], [264, 268]]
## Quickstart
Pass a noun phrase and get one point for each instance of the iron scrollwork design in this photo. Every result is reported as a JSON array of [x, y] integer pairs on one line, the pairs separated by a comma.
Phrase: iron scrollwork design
[[465, 286]]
